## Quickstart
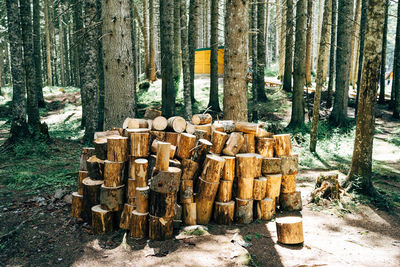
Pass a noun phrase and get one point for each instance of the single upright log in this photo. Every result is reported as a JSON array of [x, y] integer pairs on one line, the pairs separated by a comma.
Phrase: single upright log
[[160, 228], [201, 119], [234, 143], [224, 212], [91, 196], [207, 190], [141, 172], [289, 164], [95, 167], [159, 123], [228, 172], [166, 181], [112, 198], [157, 135], [87, 152], [151, 113], [288, 184], [283, 145], [187, 142], [161, 204], [77, 205], [189, 169], [139, 226], [258, 165], [102, 220], [259, 188], [203, 210], [265, 147], [131, 191], [271, 165], [163, 152], [273, 186], [244, 211], [265, 209], [249, 145], [245, 188], [142, 199], [172, 138], [177, 124], [131, 167], [100, 148], [201, 150], [245, 165], [154, 147], [290, 230], [117, 148], [126, 217], [224, 191], [290, 201], [81, 175], [212, 168], [204, 127], [186, 191], [113, 173], [139, 144], [218, 140], [189, 213]]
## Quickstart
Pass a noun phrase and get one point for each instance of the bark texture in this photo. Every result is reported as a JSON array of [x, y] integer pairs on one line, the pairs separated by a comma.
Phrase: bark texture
[[382, 76], [287, 78], [194, 9], [214, 101], [332, 55], [309, 41], [261, 62], [396, 70], [36, 53], [185, 60]]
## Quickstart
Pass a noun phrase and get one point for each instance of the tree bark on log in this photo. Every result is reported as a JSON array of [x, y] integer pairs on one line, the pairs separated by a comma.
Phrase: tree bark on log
[[200, 119], [117, 148], [288, 184], [271, 166], [112, 198], [139, 144], [201, 150], [224, 191], [87, 152], [205, 127], [142, 199], [224, 212], [186, 191], [283, 145], [113, 173], [290, 201], [172, 138], [131, 191], [100, 148], [160, 228], [95, 168], [290, 230], [212, 168], [265, 209], [259, 188], [157, 135], [265, 147], [273, 185], [163, 155], [77, 205], [91, 197], [228, 172], [189, 213], [140, 225], [248, 127], [81, 176], [189, 169], [162, 204], [234, 143], [245, 188], [126, 217], [203, 210], [166, 181], [245, 165], [154, 147], [244, 211], [249, 145], [131, 167], [206, 190], [289, 164], [102, 220], [218, 140], [141, 166], [187, 142]]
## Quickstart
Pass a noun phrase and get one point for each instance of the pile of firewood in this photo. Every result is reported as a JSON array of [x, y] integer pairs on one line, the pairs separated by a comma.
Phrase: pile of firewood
[[153, 174]]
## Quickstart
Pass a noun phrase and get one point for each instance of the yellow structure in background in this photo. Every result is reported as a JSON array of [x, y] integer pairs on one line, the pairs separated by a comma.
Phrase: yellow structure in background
[[202, 60]]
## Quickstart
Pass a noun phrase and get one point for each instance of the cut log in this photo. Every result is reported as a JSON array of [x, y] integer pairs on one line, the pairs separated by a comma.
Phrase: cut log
[[151, 113], [205, 127], [233, 145], [258, 165], [160, 228], [245, 188], [187, 142], [140, 225], [130, 123], [131, 169], [201, 150], [189, 213], [113, 173], [200, 134], [159, 123], [141, 172], [190, 128], [224, 191], [289, 164], [77, 205], [139, 144], [117, 148], [265, 147], [162, 204], [172, 138], [245, 165], [248, 127], [104, 134], [283, 145], [224, 126], [81, 175], [290, 201], [166, 181], [288, 184], [249, 145], [212, 168], [87, 152], [244, 211], [177, 124], [259, 188], [163, 152], [206, 190], [100, 148], [112, 198], [126, 217], [218, 140], [203, 210], [265, 209], [102, 220], [228, 172], [290, 230], [157, 135], [224, 212], [91, 196], [131, 201], [131, 189], [154, 147], [189, 169], [263, 133], [186, 191], [200, 119], [128, 132], [142, 199], [271, 165], [273, 186], [95, 167]]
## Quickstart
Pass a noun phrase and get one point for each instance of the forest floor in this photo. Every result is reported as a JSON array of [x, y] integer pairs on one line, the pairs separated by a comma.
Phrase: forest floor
[[36, 180]]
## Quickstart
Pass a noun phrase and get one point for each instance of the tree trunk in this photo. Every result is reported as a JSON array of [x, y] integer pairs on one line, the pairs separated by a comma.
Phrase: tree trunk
[[235, 60], [185, 60], [253, 55], [260, 68], [145, 40], [309, 42], [354, 39], [192, 41], [152, 64], [118, 74], [48, 46], [345, 15], [297, 119], [282, 35], [396, 70], [332, 55], [61, 44], [100, 106], [177, 45], [324, 46], [360, 173], [287, 78], [382, 76], [36, 53]]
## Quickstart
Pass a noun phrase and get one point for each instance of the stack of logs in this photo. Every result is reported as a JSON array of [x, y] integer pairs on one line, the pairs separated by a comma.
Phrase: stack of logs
[[152, 174]]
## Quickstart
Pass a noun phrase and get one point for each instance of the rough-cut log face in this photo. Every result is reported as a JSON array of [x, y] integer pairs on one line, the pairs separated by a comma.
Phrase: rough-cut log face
[[289, 164], [160, 228], [102, 220], [265, 209], [290, 230], [159, 124], [283, 145], [228, 173], [186, 146], [224, 212], [139, 227], [190, 128], [177, 124], [105, 134], [189, 213], [218, 140], [271, 165], [290, 201], [201, 119], [212, 168], [244, 211], [166, 181]]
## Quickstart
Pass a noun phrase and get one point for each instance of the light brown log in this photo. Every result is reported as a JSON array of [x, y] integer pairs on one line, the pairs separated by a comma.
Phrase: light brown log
[[151, 113], [263, 133], [86, 153], [228, 172], [187, 142], [245, 165], [77, 205], [249, 145], [200, 134], [265, 209], [224, 212], [160, 228], [271, 165], [131, 123], [163, 152], [283, 145], [126, 217], [159, 123], [248, 127], [288, 184], [273, 185], [157, 135], [189, 169], [154, 147], [166, 181], [102, 220], [113, 173], [258, 165], [117, 148], [91, 196], [259, 188], [201, 150], [140, 225], [176, 124], [244, 211], [100, 148], [226, 126], [289, 164], [104, 134], [212, 168], [128, 132], [290, 201], [189, 213], [131, 201], [234, 143], [172, 138], [190, 128], [265, 147], [206, 190], [186, 191], [112, 198], [131, 168], [203, 210], [205, 127], [95, 167], [200, 119], [218, 140], [224, 191], [81, 175], [131, 189], [289, 230], [141, 176], [139, 144], [162, 204], [142, 199], [245, 188]]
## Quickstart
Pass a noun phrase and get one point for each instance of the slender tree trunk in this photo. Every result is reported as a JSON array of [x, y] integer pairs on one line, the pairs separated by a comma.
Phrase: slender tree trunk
[[177, 45], [253, 55], [152, 64], [309, 41], [213, 102], [281, 25], [61, 43], [287, 78], [396, 70], [185, 60], [100, 70], [192, 40], [266, 36], [7, 67], [324, 46], [382, 76], [260, 67], [354, 39], [48, 43], [66, 57], [235, 60], [320, 9], [299, 74], [146, 40], [332, 55], [326, 53], [36, 53], [205, 23], [360, 174], [53, 46], [1, 65]]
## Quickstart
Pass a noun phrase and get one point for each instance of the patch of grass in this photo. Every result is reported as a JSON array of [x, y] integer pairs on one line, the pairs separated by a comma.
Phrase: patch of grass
[[196, 232]]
